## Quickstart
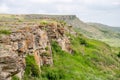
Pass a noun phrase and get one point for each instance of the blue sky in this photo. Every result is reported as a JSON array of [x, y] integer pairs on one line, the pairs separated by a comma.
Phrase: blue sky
[[101, 11]]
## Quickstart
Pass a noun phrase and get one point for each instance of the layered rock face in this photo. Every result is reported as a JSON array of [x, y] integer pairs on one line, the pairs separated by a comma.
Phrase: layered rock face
[[10, 63], [33, 41]]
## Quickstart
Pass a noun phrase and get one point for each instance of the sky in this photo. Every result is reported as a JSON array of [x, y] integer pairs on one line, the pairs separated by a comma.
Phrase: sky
[[100, 11]]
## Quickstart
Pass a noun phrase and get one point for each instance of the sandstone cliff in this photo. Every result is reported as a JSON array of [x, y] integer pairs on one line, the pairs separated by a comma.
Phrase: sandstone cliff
[[30, 40]]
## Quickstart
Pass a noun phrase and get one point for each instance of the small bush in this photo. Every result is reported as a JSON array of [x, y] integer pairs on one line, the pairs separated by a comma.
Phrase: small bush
[[63, 22], [15, 78], [46, 48], [5, 32], [43, 22], [118, 55], [45, 54], [53, 73], [32, 68], [19, 20], [57, 48], [83, 42]]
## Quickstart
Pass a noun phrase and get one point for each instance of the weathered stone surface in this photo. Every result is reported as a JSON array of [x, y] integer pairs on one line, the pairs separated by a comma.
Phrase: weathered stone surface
[[10, 62], [30, 40], [4, 39], [14, 45], [37, 57], [22, 46], [16, 36], [64, 43]]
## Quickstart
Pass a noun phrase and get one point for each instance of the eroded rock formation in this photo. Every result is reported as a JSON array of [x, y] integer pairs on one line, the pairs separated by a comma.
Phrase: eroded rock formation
[[30, 40]]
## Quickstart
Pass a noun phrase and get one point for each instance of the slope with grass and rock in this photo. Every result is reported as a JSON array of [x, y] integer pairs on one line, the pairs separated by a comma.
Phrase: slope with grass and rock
[[107, 34], [47, 48]]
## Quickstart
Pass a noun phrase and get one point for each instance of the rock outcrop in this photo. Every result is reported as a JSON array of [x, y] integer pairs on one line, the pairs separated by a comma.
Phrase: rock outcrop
[[35, 41], [10, 63]]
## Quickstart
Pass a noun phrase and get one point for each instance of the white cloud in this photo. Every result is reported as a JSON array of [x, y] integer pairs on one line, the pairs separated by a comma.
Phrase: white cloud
[[39, 1], [65, 1], [50, 1], [66, 8], [100, 2], [116, 3], [41, 11], [4, 8], [88, 10]]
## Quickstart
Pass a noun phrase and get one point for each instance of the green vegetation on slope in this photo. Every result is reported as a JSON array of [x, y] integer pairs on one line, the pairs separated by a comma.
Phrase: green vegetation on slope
[[107, 34], [15, 78], [90, 60], [95, 62], [32, 71], [118, 55]]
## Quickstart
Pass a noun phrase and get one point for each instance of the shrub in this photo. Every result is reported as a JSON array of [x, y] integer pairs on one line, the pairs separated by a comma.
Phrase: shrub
[[46, 48], [15, 78], [19, 20], [83, 42], [53, 73], [43, 22], [63, 22], [45, 54], [5, 32], [57, 48], [32, 68], [118, 55]]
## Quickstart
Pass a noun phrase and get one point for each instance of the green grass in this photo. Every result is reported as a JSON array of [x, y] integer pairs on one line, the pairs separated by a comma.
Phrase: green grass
[[15, 78], [112, 42], [32, 70], [93, 65], [118, 54], [44, 22], [6, 32]]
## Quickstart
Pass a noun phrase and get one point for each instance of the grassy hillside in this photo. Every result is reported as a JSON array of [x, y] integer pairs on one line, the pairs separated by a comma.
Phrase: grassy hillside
[[90, 60], [102, 26], [109, 35]]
